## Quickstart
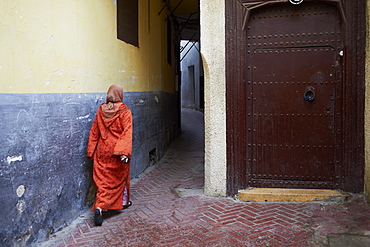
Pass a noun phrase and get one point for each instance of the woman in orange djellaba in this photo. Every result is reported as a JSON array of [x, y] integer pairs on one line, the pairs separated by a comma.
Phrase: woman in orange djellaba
[[110, 145]]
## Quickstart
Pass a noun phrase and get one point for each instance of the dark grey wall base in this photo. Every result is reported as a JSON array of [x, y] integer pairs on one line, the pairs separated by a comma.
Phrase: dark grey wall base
[[45, 178]]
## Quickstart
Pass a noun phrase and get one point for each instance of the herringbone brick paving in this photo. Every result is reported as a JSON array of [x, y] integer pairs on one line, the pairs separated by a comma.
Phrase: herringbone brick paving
[[170, 210]]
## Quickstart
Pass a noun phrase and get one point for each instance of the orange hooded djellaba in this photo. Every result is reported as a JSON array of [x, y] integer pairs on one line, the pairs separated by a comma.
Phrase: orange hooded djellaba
[[110, 138]]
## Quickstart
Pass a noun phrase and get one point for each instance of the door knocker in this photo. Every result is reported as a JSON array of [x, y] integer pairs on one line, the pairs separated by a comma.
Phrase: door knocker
[[295, 1], [309, 94]]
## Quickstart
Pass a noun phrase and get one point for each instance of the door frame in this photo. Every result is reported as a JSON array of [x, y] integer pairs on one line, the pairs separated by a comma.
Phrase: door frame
[[354, 23]]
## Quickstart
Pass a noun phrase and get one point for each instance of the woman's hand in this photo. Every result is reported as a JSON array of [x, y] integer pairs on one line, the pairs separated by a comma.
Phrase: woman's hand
[[124, 159]]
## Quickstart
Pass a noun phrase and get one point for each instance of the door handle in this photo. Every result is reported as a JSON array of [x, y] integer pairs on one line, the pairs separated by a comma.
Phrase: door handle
[[309, 94]]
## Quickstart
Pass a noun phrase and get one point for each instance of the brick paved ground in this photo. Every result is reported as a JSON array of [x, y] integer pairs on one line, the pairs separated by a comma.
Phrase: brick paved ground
[[169, 209]]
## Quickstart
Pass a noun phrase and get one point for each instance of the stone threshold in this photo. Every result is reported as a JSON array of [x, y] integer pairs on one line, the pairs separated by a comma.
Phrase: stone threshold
[[289, 195]]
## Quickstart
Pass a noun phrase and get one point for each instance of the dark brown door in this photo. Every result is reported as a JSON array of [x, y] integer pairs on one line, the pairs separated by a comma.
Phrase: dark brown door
[[294, 96]]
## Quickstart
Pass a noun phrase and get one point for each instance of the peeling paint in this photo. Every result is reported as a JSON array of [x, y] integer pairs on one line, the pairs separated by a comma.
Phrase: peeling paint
[[11, 159], [47, 82], [133, 79], [140, 102], [82, 117], [20, 190], [156, 98], [21, 206]]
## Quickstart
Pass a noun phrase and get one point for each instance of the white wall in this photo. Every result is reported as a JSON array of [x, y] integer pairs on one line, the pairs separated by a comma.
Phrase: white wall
[[212, 25], [191, 70]]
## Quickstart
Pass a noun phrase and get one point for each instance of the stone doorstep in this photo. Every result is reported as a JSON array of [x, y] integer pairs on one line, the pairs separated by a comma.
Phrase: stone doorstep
[[289, 195]]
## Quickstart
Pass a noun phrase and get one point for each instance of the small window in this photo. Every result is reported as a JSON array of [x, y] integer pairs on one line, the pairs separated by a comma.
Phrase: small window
[[128, 21]]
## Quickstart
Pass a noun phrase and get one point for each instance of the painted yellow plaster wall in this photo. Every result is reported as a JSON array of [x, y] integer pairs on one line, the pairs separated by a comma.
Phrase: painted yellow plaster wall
[[69, 46], [367, 106]]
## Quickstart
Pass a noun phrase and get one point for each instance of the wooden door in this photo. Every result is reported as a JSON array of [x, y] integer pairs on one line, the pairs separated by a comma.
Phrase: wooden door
[[294, 96]]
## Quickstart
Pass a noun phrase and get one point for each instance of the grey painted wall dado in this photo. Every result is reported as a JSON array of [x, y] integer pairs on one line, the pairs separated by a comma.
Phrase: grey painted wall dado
[[45, 177]]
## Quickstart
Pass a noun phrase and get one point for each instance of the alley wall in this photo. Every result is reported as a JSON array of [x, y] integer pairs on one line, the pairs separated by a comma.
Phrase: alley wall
[[58, 59], [191, 72], [213, 58]]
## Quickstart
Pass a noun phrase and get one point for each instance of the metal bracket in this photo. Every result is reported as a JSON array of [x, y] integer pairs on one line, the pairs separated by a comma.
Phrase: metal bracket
[[183, 48], [253, 4]]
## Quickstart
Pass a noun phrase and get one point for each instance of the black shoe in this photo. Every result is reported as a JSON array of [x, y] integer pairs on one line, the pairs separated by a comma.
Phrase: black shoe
[[127, 205], [98, 217]]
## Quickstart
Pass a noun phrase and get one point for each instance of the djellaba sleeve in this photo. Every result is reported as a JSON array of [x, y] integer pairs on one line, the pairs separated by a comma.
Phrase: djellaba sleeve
[[124, 142], [93, 137]]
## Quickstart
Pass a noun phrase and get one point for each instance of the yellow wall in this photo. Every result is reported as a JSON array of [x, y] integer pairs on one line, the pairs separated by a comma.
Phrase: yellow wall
[[70, 46]]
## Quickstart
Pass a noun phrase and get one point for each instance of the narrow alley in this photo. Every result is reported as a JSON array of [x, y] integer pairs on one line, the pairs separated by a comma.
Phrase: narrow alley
[[169, 209]]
